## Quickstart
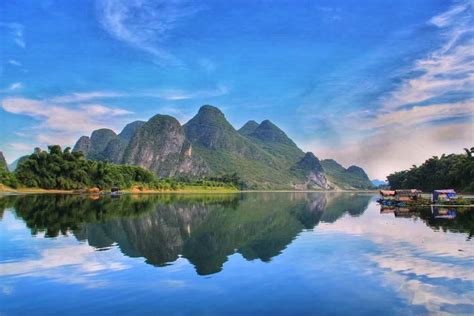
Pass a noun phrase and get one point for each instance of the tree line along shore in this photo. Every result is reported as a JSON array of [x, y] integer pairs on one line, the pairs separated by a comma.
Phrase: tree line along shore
[[58, 170]]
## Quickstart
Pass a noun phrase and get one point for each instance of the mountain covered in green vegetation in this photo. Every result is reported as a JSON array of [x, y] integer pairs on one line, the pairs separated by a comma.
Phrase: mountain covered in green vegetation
[[454, 171], [262, 155]]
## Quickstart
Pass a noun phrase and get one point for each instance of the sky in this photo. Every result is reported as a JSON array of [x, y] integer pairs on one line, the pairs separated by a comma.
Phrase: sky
[[379, 84]]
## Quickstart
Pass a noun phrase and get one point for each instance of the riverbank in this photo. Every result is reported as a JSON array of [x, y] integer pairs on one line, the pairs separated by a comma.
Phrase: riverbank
[[187, 189]]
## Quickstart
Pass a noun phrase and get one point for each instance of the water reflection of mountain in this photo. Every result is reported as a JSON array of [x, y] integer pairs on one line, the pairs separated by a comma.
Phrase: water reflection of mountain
[[204, 229]]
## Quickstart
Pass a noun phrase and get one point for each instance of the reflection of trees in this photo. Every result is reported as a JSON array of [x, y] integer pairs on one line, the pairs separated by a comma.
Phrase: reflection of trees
[[463, 222], [205, 229]]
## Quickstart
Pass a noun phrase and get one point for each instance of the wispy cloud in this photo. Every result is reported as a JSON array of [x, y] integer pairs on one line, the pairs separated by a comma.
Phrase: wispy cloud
[[12, 87], [15, 30], [15, 62], [429, 113], [179, 94], [20, 147], [169, 94], [448, 69], [86, 96], [145, 24], [84, 117], [419, 115], [62, 123], [446, 18]]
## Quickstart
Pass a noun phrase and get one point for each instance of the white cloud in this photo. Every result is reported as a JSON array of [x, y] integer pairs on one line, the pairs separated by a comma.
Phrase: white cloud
[[179, 94], [450, 68], [422, 114], [23, 147], [86, 96], [397, 147], [15, 62], [446, 18], [417, 119], [12, 87], [145, 24], [170, 94], [16, 30], [64, 118], [63, 123]]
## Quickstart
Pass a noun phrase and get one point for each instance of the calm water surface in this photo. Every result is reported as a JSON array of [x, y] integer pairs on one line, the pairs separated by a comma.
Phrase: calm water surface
[[255, 253]]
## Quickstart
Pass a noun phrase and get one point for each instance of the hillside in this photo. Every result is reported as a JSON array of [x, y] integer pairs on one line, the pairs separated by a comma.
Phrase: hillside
[[262, 155], [454, 171], [351, 178]]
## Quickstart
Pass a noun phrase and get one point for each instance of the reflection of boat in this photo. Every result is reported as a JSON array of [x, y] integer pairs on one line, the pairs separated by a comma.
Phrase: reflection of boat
[[398, 198], [405, 212], [386, 209], [390, 202], [443, 213]]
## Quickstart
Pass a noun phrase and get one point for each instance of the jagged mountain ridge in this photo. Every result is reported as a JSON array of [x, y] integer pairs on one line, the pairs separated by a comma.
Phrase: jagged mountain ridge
[[208, 145]]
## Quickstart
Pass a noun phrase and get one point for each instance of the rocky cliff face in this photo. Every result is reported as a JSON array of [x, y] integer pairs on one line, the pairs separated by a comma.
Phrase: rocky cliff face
[[160, 145], [115, 149], [313, 172], [129, 130], [99, 141], [83, 145], [3, 162], [104, 144]]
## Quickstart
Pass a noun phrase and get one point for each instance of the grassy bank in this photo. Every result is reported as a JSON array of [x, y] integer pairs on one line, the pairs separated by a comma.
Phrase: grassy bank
[[186, 189]]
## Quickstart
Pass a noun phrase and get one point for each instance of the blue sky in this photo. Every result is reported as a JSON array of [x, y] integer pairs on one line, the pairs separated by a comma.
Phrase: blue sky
[[380, 84]]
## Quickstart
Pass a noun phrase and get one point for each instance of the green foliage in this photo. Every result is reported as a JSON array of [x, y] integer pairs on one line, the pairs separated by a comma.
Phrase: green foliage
[[448, 172], [66, 170], [63, 169], [8, 179]]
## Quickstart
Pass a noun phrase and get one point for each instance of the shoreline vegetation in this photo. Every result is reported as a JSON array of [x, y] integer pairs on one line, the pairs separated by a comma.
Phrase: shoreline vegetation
[[454, 171], [63, 171]]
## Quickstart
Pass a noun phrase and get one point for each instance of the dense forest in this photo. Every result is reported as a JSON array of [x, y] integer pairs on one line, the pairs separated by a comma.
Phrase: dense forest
[[455, 171], [66, 170]]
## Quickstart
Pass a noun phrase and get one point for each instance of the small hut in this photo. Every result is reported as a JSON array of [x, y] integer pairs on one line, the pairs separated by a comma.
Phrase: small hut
[[407, 195], [387, 193], [443, 195]]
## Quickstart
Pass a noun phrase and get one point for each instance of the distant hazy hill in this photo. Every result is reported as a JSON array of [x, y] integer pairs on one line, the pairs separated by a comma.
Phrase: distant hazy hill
[[377, 182], [14, 164], [353, 177], [208, 145]]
